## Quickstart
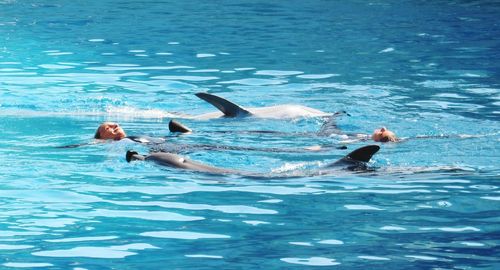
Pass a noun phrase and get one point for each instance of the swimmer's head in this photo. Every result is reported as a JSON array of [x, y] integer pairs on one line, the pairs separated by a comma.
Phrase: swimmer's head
[[384, 135], [110, 131]]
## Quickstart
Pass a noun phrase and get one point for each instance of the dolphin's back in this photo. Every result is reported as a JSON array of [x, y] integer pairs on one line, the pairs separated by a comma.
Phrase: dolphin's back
[[230, 109], [286, 111], [176, 161]]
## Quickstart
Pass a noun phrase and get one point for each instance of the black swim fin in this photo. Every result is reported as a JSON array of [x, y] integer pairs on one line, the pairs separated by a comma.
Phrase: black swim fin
[[175, 126], [228, 108], [357, 158]]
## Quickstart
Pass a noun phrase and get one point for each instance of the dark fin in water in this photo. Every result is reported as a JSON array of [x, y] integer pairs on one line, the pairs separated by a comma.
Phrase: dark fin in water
[[330, 125], [363, 154], [132, 155], [175, 126], [356, 160], [228, 108]]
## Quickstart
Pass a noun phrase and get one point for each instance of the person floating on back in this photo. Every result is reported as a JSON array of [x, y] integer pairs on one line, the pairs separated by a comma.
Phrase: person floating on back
[[384, 135], [110, 131]]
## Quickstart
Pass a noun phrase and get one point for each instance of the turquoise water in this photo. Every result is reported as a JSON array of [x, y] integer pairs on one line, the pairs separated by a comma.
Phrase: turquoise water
[[422, 68]]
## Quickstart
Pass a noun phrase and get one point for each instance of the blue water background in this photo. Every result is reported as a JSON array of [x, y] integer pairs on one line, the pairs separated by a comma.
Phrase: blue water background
[[418, 67]]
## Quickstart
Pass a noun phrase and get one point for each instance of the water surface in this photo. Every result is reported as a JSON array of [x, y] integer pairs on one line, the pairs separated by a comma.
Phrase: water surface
[[421, 68]]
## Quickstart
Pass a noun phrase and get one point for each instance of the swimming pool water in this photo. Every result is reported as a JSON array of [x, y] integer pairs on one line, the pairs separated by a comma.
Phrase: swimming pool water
[[420, 68]]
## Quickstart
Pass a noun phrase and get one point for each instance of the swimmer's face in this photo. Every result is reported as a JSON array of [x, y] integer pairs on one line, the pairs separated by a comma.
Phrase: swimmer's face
[[110, 131], [384, 135]]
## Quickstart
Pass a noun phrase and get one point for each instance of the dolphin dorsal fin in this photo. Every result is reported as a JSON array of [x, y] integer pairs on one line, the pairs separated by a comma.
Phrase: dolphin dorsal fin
[[356, 160], [176, 126], [228, 108], [363, 154]]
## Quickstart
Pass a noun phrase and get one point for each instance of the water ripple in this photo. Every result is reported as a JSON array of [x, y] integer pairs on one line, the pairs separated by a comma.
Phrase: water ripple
[[184, 235], [278, 72], [254, 82], [312, 261], [81, 239], [52, 196], [14, 247], [231, 209], [374, 258], [124, 67], [112, 252], [362, 207], [204, 256], [138, 214], [26, 265], [186, 78]]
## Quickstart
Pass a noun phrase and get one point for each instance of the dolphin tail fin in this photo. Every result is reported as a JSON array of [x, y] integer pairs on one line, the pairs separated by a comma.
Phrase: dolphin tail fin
[[330, 126], [176, 126], [228, 108], [132, 155], [363, 154]]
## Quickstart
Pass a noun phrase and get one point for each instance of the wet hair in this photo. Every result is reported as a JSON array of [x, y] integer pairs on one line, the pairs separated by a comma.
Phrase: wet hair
[[384, 139], [97, 134]]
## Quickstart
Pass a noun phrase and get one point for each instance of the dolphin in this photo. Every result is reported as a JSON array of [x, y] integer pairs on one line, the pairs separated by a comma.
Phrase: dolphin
[[177, 161], [354, 161], [229, 109]]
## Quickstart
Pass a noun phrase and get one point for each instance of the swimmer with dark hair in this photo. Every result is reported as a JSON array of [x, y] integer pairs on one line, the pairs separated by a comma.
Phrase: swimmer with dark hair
[[109, 131], [113, 131]]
